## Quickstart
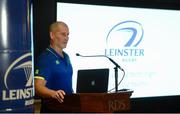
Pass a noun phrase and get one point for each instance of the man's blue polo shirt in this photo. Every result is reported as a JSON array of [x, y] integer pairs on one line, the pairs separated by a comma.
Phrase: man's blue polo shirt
[[57, 71]]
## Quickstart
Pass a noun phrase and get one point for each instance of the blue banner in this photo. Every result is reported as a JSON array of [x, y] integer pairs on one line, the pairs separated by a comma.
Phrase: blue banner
[[16, 79]]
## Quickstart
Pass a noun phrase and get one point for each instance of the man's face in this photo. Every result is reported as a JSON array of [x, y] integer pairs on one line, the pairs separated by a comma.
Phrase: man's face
[[60, 36]]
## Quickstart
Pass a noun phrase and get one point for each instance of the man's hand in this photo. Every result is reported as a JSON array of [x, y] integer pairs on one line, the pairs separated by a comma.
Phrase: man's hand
[[42, 91], [59, 95]]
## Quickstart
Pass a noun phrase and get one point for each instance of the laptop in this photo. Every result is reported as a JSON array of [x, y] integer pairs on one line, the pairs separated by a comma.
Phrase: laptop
[[92, 81]]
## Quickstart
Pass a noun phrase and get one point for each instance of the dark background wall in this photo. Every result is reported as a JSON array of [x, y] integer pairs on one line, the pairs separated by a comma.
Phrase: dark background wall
[[45, 14]]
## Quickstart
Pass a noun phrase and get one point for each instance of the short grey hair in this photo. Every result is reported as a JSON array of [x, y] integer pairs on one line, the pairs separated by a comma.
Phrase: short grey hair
[[54, 25]]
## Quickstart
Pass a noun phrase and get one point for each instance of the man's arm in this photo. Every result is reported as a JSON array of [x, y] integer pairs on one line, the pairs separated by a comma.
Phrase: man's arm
[[42, 91]]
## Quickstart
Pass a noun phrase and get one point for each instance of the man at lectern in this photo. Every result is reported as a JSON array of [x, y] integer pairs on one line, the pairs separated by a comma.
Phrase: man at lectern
[[53, 69]]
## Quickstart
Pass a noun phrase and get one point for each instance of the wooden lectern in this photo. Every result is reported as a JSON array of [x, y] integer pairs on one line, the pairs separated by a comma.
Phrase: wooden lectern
[[92, 102]]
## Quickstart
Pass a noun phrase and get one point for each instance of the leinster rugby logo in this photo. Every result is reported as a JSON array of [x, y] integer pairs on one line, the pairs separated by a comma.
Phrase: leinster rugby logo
[[25, 66], [129, 31], [18, 80], [124, 38]]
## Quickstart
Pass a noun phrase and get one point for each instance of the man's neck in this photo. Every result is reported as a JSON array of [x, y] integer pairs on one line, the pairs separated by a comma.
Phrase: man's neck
[[58, 50]]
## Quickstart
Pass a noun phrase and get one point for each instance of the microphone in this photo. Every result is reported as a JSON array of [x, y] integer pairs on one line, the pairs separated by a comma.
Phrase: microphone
[[77, 54]]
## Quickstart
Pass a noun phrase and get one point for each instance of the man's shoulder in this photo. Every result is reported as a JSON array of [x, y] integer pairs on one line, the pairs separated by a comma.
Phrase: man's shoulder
[[45, 57]]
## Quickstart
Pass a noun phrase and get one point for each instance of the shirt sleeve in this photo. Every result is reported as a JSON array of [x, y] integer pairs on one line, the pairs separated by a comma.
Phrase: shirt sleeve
[[42, 69]]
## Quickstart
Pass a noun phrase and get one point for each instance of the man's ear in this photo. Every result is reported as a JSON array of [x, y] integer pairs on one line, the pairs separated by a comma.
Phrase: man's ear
[[51, 35]]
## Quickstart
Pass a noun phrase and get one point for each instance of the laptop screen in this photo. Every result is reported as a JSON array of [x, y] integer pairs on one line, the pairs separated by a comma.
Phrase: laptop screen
[[92, 80]]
